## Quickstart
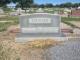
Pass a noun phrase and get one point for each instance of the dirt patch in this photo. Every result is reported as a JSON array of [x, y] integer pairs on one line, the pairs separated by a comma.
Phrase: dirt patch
[[65, 26], [76, 23]]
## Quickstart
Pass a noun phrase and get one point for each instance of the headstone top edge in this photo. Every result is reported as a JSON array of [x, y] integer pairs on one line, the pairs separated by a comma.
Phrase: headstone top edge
[[40, 13]]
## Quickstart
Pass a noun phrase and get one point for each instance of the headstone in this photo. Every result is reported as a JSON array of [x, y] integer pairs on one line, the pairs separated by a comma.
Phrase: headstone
[[13, 14], [32, 10], [39, 26], [1, 11], [67, 10], [70, 50], [20, 11], [27, 11], [39, 10], [56, 12]]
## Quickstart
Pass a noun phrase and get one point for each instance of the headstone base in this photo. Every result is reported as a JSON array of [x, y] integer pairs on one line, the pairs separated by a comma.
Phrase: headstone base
[[25, 37]]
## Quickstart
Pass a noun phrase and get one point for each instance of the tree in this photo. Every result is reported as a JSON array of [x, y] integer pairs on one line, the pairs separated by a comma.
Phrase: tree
[[4, 2], [76, 5], [24, 3], [49, 5], [41, 6], [68, 5], [35, 5]]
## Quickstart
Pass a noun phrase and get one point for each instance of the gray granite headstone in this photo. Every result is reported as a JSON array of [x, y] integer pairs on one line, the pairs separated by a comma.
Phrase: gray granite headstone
[[39, 25], [68, 51]]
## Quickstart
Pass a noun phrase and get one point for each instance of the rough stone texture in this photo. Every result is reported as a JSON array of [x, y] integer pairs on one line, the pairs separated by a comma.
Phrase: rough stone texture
[[69, 51]]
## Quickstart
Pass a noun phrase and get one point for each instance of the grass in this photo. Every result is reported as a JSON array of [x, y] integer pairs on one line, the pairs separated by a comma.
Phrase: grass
[[7, 52], [68, 23], [5, 25], [70, 19], [9, 18], [67, 20], [43, 43]]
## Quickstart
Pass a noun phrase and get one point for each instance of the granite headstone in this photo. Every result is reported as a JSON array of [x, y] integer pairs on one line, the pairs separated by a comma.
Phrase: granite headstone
[[39, 25]]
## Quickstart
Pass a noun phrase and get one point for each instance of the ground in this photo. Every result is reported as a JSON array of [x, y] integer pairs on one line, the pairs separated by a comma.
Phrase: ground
[[35, 50]]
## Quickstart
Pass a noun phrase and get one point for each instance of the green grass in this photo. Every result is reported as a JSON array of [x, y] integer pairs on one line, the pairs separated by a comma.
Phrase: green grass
[[72, 25], [67, 20], [5, 25], [9, 18], [70, 19]]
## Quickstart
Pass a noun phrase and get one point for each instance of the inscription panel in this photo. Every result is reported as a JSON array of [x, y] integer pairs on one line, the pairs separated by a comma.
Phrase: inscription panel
[[39, 20], [41, 30]]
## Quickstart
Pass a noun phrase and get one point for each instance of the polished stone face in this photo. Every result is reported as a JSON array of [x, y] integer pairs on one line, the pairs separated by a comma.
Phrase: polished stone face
[[40, 23]]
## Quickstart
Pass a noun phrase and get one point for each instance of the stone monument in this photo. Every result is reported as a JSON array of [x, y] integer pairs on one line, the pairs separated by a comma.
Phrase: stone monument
[[39, 26]]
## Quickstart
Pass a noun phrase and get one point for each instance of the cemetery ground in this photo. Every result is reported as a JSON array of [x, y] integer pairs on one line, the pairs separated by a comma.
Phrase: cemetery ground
[[72, 21], [35, 50], [7, 21]]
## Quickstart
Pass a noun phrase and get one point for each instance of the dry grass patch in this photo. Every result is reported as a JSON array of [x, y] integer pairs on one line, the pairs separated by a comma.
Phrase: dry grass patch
[[32, 50], [9, 50], [43, 43]]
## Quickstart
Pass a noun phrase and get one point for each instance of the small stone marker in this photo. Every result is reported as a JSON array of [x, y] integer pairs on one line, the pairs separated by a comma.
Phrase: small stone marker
[[1, 11], [39, 10], [39, 26]]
